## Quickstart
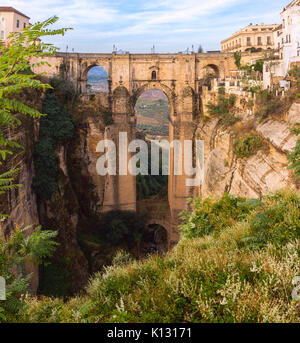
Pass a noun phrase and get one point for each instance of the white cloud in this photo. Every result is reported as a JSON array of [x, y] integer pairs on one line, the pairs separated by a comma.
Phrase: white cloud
[[98, 24]]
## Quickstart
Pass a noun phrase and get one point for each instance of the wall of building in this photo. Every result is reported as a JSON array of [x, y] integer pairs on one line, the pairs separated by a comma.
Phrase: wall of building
[[290, 17], [8, 23], [239, 41]]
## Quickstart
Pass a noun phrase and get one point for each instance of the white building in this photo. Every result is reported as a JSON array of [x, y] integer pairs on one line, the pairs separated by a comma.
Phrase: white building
[[287, 44], [290, 36], [11, 20]]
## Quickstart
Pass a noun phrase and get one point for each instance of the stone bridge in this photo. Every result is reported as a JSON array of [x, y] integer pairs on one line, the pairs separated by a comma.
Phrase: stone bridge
[[180, 77]]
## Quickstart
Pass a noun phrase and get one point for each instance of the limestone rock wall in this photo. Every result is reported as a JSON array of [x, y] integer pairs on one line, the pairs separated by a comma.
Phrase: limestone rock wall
[[250, 177], [21, 203]]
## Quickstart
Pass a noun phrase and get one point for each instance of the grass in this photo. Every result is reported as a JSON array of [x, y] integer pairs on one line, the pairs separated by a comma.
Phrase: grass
[[241, 272]]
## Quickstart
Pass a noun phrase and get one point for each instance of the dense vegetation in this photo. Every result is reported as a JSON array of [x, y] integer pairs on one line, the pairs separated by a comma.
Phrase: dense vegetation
[[20, 246], [224, 108], [235, 263], [56, 127], [248, 145], [294, 157]]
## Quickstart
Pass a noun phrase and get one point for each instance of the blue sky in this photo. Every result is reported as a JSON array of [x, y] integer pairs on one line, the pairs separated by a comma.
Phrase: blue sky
[[137, 25]]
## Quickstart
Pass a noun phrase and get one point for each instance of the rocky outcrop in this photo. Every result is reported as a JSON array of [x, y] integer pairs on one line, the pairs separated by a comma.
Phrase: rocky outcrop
[[21, 203], [279, 134], [261, 173]]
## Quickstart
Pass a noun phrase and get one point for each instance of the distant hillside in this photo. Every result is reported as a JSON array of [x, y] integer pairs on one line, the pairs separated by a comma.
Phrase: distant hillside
[[153, 110], [153, 94], [97, 74]]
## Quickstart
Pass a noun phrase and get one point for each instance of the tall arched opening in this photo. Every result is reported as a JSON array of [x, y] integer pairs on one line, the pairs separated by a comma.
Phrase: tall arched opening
[[152, 110], [97, 80]]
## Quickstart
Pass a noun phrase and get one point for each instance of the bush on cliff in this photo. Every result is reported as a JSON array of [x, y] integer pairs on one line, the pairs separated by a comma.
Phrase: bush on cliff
[[294, 157], [240, 272], [248, 145], [224, 108]]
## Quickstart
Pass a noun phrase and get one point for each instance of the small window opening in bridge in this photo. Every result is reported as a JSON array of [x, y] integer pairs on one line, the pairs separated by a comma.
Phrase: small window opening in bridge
[[212, 71], [153, 75], [152, 112], [154, 240], [97, 80]]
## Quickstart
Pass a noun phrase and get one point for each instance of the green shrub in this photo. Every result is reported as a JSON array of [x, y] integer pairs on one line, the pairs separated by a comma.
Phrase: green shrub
[[237, 59], [224, 108], [21, 246], [268, 104], [294, 157], [278, 221], [210, 215], [247, 146], [275, 218], [122, 258]]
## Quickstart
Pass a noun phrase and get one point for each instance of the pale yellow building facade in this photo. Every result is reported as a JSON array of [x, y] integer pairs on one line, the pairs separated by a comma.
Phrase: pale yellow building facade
[[11, 20], [258, 37]]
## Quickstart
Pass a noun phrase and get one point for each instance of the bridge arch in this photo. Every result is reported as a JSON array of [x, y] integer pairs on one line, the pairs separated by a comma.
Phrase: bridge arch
[[83, 79], [152, 86], [156, 238], [213, 70]]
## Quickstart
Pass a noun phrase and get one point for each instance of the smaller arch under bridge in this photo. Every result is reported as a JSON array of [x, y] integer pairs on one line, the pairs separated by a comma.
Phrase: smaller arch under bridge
[[179, 76], [157, 212]]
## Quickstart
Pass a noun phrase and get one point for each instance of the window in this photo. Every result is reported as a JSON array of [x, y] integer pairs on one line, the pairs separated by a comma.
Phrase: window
[[259, 42], [18, 23], [153, 75], [269, 40], [2, 35], [24, 25], [248, 41]]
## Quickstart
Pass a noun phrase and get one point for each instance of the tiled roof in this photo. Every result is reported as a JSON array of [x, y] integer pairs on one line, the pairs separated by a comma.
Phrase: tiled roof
[[11, 9]]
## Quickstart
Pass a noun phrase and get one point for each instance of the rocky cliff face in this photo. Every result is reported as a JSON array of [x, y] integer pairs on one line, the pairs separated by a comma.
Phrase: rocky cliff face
[[76, 205], [250, 177], [21, 203]]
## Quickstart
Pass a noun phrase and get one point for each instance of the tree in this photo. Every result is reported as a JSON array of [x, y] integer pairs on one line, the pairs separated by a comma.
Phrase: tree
[[16, 62], [16, 76], [237, 59], [200, 50]]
